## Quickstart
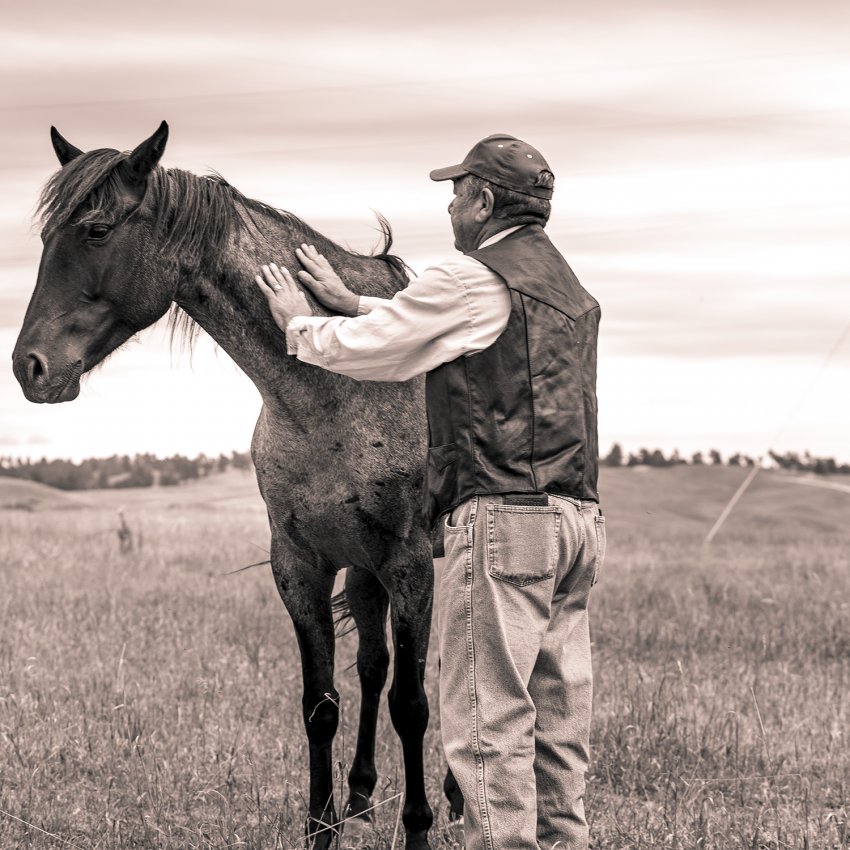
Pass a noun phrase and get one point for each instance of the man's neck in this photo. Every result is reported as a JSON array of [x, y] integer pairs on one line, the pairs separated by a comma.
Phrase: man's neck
[[496, 235]]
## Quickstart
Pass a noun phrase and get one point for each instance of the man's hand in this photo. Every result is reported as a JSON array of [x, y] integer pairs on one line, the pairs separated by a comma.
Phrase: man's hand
[[285, 299], [324, 283]]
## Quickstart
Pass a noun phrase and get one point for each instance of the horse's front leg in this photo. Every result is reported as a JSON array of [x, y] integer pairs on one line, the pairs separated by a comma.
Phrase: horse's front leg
[[306, 593], [411, 597]]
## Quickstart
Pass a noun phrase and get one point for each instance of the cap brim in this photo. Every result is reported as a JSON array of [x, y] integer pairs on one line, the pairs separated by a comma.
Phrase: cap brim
[[452, 172]]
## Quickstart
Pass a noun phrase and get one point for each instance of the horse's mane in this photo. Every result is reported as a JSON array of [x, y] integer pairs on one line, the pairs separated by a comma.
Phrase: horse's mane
[[195, 214]]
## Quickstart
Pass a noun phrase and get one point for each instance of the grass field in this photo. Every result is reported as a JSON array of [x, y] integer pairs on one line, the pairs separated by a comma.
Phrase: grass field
[[148, 700]]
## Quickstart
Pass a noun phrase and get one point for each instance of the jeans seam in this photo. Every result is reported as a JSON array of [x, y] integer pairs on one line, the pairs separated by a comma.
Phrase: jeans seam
[[598, 521], [473, 695]]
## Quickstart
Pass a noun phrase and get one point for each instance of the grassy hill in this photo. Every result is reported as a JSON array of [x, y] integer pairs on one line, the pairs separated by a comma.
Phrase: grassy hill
[[685, 501], [151, 698], [682, 502], [18, 494]]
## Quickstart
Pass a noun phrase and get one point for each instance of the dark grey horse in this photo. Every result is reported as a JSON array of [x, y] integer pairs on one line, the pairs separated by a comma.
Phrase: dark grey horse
[[339, 463]]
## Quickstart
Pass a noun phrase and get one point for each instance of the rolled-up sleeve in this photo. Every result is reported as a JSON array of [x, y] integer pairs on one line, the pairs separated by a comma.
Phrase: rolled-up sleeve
[[453, 309]]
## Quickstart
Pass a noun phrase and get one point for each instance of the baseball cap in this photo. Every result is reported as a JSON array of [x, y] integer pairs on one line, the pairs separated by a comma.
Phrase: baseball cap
[[505, 160]]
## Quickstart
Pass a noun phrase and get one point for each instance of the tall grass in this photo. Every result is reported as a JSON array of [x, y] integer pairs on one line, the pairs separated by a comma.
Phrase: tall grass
[[149, 701], [723, 708]]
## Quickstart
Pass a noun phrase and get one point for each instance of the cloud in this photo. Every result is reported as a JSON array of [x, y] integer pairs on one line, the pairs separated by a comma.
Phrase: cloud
[[22, 440], [700, 151]]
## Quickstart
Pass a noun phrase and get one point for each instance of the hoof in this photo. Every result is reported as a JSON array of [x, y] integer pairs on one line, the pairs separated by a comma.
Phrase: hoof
[[320, 836], [358, 833], [454, 834]]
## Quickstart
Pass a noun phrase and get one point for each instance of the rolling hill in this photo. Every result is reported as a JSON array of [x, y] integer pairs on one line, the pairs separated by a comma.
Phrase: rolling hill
[[681, 501]]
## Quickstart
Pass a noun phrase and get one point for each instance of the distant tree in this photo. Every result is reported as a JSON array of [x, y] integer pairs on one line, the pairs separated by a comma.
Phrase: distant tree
[[204, 465], [676, 459], [223, 462], [825, 466], [614, 457], [633, 460], [777, 458], [789, 460], [241, 460], [184, 468], [657, 459], [715, 458], [139, 476], [697, 459]]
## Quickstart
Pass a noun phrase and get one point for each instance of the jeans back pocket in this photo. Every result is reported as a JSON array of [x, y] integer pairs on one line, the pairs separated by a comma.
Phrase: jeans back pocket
[[522, 543]]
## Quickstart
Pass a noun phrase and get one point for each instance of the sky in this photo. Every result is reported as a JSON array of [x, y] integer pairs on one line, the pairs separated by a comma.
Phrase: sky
[[701, 152]]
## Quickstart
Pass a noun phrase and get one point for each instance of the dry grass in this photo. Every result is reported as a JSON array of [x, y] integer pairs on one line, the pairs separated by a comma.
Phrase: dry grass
[[148, 701]]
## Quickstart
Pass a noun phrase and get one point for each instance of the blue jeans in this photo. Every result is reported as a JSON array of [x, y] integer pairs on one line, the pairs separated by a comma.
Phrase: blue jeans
[[515, 674]]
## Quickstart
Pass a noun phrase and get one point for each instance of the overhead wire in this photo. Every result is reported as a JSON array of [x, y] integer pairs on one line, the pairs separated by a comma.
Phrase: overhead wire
[[801, 400]]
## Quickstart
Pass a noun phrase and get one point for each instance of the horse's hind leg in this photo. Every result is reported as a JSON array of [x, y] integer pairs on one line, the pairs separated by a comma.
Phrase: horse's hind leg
[[367, 600], [453, 795], [411, 598], [452, 791]]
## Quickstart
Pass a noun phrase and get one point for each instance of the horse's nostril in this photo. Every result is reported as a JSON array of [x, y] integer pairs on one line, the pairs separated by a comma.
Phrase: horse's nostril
[[35, 367]]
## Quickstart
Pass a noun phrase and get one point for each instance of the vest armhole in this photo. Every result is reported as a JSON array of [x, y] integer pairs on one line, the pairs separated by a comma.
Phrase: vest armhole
[[530, 388]]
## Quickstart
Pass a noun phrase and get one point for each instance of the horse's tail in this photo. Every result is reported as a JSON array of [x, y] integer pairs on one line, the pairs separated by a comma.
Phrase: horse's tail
[[343, 621]]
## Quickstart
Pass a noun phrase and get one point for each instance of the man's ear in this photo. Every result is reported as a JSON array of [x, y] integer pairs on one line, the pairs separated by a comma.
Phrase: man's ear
[[485, 205]]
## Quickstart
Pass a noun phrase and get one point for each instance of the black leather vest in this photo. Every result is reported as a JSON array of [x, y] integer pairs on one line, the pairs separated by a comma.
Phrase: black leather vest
[[520, 416]]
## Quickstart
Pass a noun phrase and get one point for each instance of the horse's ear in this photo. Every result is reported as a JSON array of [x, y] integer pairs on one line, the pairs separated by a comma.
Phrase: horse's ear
[[65, 151], [144, 158]]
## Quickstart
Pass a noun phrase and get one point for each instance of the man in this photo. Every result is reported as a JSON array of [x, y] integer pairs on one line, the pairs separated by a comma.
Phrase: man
[[507, 337]]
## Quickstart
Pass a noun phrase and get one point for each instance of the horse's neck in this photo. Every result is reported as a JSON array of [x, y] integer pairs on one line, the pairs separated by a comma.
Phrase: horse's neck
[[233, 311]]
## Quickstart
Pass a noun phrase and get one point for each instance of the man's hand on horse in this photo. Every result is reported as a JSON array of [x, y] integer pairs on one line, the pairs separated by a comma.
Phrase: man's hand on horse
[[285, 299], [324, 282]]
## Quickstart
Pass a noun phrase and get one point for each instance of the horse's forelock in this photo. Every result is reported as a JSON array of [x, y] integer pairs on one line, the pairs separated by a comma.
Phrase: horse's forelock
[[88, 179]]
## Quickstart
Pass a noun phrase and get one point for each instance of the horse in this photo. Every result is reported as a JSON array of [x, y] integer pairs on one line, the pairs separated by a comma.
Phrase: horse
[[339, 462]]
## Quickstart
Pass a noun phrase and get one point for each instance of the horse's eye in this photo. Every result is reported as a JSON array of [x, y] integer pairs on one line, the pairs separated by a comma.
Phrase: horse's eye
[[98, 232]]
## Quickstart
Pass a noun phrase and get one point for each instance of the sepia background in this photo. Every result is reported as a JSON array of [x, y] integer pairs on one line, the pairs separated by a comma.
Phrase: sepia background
[[149, 680], [702, 155]]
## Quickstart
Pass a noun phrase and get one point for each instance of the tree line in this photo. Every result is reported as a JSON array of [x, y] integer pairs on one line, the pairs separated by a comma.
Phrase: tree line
[[117, 471], [792, 461], [147, 470]]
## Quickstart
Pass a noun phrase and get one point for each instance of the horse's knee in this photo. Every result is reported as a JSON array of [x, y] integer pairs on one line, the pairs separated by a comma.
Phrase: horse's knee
[[321, 717], [409, 711], [372, 666]]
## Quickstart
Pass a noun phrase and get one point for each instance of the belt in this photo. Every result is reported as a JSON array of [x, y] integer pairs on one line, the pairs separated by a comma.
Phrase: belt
[[518, 499]]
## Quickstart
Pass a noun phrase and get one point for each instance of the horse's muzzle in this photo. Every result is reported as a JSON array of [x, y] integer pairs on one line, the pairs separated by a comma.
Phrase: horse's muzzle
[[34, 375]]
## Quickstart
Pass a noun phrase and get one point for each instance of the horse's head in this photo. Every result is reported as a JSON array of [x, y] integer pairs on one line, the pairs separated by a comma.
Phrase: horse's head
[[100, 280]]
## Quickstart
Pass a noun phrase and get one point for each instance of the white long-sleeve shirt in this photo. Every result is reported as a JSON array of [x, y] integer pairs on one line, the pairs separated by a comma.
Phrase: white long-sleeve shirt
[[456, 308]]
